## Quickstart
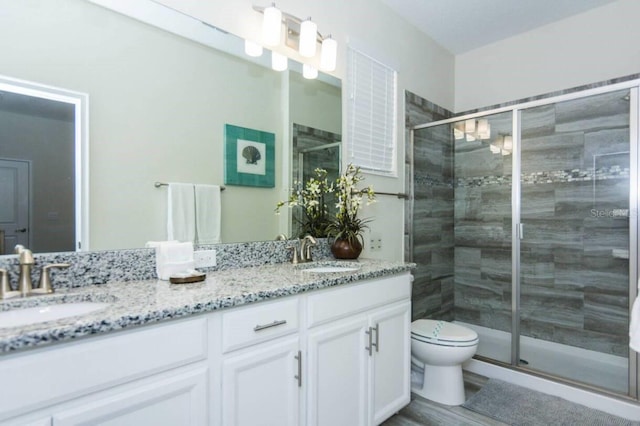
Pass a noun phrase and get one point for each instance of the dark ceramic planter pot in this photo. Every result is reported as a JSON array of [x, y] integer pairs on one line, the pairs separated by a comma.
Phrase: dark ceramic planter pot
[[342, 249]]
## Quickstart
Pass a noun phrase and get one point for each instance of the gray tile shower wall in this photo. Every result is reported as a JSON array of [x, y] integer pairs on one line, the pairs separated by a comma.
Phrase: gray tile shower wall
[[101, 267], [575, 211], [432, 216]]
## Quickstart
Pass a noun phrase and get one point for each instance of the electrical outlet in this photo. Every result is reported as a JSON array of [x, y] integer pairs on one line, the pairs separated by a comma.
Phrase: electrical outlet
[[204, 258], [375, 242]]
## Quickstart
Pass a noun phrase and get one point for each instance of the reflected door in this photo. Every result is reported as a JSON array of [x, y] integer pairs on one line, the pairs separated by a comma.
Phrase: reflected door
[[14, 205], [574, 248]]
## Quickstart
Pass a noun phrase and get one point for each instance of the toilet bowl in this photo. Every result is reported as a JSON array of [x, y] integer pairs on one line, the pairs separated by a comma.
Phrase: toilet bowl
[[440, 348]]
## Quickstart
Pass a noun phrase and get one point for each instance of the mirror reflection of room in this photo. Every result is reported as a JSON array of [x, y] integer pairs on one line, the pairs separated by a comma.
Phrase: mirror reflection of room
[[157, 114]]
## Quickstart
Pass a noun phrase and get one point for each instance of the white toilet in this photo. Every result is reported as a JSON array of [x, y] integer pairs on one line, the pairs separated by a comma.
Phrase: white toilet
[[441, 347]]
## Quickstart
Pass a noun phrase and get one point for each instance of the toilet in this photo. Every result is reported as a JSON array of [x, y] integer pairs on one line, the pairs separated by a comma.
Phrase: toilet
[[441, 347]]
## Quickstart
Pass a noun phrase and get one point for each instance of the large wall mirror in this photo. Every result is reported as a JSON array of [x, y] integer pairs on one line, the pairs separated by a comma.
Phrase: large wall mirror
[[157, 106]]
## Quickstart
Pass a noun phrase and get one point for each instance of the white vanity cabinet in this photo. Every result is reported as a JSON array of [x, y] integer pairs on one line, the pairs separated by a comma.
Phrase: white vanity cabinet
[[261, 364], [359, 352], [125, 378], [334, 356]]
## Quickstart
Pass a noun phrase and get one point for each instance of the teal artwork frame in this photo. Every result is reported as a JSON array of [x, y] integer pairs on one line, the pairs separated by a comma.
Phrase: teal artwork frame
[[249, 157]]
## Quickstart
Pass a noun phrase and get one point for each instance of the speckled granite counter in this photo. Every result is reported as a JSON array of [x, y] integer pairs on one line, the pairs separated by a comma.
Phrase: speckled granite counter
[[140, 302]]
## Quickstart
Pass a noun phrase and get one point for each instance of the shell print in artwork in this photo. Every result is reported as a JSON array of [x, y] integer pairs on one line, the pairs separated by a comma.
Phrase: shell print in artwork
[[251, 154]]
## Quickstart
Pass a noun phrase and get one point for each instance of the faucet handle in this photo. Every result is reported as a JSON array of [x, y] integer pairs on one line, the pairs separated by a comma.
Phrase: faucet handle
[[294, 260], [45, 280], [5, 288]]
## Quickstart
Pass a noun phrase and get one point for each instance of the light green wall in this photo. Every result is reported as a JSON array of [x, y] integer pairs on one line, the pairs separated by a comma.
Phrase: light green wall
[[158, 105]]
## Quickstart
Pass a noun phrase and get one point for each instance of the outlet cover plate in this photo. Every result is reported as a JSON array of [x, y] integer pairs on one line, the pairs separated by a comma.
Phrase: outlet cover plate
[[204, 258]]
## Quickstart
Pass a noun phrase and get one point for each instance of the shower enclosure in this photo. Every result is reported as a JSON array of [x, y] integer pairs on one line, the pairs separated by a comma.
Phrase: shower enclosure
[[544, 232]]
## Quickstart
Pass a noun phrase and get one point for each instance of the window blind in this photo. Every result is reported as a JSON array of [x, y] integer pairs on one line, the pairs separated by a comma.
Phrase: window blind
[[371, 114]]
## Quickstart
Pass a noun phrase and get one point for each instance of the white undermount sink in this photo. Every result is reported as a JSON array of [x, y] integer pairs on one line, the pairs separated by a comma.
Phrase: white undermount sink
[[37, 314], [328, 269]]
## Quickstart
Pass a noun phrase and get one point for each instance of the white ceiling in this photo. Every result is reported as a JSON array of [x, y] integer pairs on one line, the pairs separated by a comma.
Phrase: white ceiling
[[463, 25]]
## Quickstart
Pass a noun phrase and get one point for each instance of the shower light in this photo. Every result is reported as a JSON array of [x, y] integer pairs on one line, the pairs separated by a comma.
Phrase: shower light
[[252, 48], [484, 129], [508, 143], [308, 38], [470, 126], [279, 62], [271, 25]]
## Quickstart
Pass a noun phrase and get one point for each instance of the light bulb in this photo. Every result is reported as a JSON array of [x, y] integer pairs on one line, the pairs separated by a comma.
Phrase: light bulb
[[308, 37], [252, 49], [271, 26], [508, 143], [279, 62], [309, 72], [328, 54], [470, 126]]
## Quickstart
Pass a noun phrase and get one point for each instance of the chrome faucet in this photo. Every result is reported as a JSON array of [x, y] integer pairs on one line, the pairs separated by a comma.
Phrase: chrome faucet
[[25, 287], [305, 248], [305, 245]]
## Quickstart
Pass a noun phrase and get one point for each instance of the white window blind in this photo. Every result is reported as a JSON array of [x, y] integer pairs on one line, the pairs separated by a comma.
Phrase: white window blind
[[371, 142]]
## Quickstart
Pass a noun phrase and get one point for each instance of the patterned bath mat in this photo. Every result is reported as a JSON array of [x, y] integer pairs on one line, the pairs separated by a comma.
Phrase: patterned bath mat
[[516, 405]]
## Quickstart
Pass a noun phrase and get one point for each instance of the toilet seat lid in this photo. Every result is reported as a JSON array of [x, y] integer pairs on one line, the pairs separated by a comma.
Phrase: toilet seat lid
[[442, 331]]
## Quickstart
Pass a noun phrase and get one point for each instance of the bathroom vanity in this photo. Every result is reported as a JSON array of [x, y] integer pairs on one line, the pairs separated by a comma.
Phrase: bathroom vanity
[[271, 345]]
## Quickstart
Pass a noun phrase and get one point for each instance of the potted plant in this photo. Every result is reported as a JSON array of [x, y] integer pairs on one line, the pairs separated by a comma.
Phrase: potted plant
[[314, 216], [346, 227]]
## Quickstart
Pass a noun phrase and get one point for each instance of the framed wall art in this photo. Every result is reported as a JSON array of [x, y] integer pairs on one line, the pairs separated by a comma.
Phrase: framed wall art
[[249, 157]]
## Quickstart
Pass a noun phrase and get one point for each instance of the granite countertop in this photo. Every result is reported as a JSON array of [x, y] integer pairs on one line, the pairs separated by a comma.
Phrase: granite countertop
[[136, 303]]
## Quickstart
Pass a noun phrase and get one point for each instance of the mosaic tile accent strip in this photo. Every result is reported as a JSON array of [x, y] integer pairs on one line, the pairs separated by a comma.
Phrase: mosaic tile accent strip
[[559, 176]]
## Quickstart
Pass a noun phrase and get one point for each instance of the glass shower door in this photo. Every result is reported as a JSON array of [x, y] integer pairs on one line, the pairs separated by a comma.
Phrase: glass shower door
[[574, 243]]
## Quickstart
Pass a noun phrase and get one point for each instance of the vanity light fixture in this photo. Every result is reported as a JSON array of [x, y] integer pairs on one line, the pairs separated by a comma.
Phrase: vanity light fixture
[[328, 54], [271, 25], [308, 37], [252, 48], [309, 72], [279, 62], [301, 35]]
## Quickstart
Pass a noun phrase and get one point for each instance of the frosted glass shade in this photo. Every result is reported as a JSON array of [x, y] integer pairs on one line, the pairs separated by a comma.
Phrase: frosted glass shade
[[328, 54], [308, 37], [309, 72], [252, 48], [271, 26], [279, 62], [470, 126], [508, 143]]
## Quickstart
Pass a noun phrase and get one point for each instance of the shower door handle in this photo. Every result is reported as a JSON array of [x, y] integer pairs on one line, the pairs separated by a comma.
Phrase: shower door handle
[[521, 230]]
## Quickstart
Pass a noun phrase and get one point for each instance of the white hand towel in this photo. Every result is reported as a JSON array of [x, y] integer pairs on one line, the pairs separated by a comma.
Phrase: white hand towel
[[181, 224], [634, 326], [208, 213], [173, 257]]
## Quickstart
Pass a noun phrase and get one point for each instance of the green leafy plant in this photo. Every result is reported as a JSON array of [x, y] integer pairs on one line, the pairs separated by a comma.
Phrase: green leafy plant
[[346, 225], [310, 197]]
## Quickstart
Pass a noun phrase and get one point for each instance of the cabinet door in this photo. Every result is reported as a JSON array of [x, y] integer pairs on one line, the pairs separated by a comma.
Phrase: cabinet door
[[338, 373], [390, 389], [260, 387], [178, 400]]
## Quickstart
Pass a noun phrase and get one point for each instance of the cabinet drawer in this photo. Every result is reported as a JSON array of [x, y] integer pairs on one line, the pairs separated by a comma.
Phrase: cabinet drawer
[[51, 375], [248, 325], [336, 303]]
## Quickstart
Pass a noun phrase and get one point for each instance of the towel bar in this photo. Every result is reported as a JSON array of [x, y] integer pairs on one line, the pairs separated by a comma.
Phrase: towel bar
[[159, 184]]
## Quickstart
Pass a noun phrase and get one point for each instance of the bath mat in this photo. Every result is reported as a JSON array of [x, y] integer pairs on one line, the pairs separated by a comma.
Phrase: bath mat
[[516, 405]]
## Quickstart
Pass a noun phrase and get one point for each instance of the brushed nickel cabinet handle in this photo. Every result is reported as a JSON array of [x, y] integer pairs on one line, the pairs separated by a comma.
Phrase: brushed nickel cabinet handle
[[370, 347], [265, 326], [377, 343], [299, 376]]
